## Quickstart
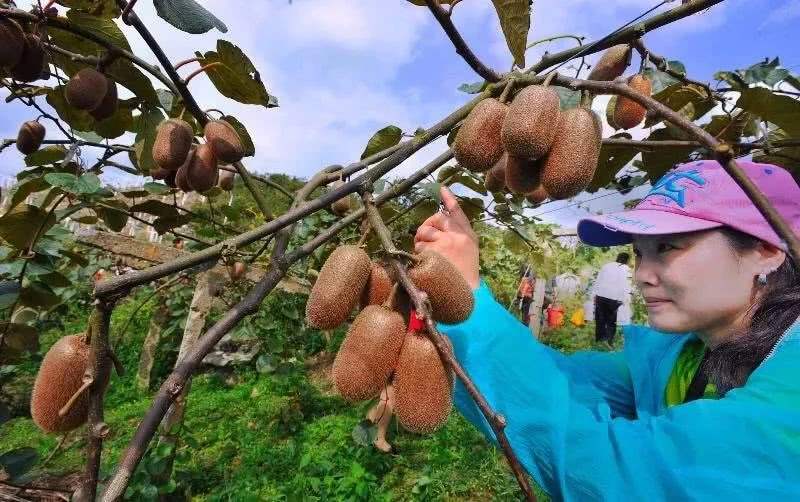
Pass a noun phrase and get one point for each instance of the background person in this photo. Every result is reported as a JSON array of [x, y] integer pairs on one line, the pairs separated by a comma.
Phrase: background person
[[611, 289]]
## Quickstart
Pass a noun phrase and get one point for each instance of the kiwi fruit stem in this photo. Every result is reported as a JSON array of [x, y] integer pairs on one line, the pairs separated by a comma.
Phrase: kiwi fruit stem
[[549, 78], [586, 100], [507, 90], [87, 381]]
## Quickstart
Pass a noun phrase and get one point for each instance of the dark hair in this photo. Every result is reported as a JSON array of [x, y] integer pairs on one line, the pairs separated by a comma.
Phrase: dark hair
[[772, 312], [623, 258]]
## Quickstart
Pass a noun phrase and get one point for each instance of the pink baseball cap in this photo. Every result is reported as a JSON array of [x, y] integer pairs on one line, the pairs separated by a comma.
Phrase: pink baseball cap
[[699, 196]]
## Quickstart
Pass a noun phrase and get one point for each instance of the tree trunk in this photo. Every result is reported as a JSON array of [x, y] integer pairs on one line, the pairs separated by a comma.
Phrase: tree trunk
[[148, 357]]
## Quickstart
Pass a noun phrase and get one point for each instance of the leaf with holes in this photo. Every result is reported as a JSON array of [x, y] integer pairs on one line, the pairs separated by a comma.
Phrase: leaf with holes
[[188, 16], [236, 77], [515, 20], [383, 139]]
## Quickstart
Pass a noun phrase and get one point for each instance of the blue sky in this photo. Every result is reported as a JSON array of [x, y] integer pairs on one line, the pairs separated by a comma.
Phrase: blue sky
[[344, 68]]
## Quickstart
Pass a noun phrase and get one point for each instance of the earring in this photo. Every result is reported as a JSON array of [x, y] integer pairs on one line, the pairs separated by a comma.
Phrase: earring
[[762, 279]]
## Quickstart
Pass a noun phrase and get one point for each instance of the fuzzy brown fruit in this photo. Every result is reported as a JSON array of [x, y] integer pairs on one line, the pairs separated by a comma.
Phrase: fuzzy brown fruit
[[450, 295], [172, 144], [86, 89], [627, 112], [528, 130], [495, 179], [537, 196], [225, 141], [338, 287], [369, 353], [60, 376], [12, 43], [30, 137], [342, 206], [237, 270], [201, 173], [423, 387], [226, 179], [612, 63], [478, 145], [181, 178], [31, 64], [108, 106], [378, 287], [569, 167], [522, 175]]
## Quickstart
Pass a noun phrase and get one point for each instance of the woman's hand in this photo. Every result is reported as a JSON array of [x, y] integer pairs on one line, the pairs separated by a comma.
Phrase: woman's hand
[[451, 236]]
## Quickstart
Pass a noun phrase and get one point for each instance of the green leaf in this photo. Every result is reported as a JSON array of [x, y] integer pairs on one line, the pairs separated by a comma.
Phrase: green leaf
[[678, 96], [77, 119], [724, 128], [20, 337], [19, 461], [247, 141], [102, 27], [47, 155], [9, 293], [383, 139], [18, 226], [165, 224], [237, 77], [766, 72], [115, 217], [364, 433], [787, 157], [732, 78], [135, 194], [166, 99], [155, 207], [86, 184], [188, 16], [659, 160], [146, 125], [568, 98], [38, 294], [474, 88], [515, 20], [156, 188], [793, 81], [612, 159], [100, 8], [782, 111], [660, 80], [63, 180], [28, 187]]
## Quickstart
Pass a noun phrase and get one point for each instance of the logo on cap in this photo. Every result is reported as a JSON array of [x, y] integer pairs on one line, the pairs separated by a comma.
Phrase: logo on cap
[[668, 187]]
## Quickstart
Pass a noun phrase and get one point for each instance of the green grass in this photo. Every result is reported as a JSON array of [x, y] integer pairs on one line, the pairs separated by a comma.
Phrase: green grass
[[278, 436]]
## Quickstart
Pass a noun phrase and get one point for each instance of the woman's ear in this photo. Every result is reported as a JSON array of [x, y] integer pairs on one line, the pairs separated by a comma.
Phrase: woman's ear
[[768, 257]]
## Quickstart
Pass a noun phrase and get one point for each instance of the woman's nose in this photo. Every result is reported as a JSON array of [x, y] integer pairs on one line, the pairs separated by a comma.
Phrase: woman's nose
[[645, 272]]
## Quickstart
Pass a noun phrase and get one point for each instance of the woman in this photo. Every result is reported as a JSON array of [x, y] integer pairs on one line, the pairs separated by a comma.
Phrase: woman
[[705, 405]]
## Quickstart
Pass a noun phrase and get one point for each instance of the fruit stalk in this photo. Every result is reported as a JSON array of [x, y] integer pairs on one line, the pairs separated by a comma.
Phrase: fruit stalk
[[423, 307]]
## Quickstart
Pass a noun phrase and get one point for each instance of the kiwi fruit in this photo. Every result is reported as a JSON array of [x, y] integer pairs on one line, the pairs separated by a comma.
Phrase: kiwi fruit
[[342, 206], [226, 179], [86, 89], [450, 295], [108, 106], [201, 173], [495, 179], [528, 130], [181, 178], [225, 141], [31, 64], [423, 387], [30, 137], [12, 43], [60, 376], [369, 353], [172, 144], [378, 287], [522, 175], [627, 112], [338, 287], [478, 145], [237, 270], [569, 167], [537, 196], [612, 63]]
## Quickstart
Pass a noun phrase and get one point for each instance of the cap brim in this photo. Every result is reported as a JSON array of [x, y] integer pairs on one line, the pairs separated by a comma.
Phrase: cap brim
[[615, 229]]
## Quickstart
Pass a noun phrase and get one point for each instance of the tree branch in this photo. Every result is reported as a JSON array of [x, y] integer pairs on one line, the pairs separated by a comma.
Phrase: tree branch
[[462, 49], [744, 146], [422, 307]]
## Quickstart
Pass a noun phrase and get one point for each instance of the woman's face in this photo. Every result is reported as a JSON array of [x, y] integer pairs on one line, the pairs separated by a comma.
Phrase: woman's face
[[694, 282]]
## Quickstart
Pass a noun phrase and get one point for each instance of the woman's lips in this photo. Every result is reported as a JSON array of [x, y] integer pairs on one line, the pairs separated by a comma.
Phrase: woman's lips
[[654, 302]]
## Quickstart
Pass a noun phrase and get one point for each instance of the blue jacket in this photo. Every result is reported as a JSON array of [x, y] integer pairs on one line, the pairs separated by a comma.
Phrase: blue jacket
[[594, 425]]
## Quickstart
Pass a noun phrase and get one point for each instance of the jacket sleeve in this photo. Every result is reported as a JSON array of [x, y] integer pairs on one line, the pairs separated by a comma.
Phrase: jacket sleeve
[[568, 431]]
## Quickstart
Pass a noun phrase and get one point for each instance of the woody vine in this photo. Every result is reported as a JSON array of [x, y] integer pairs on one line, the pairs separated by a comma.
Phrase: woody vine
[[87, 42]]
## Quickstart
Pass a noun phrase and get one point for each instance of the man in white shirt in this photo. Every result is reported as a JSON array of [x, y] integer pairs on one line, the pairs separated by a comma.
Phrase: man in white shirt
[[611, 288]]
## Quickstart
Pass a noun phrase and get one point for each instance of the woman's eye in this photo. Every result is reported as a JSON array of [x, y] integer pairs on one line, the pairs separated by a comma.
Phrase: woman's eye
[[663, 247]]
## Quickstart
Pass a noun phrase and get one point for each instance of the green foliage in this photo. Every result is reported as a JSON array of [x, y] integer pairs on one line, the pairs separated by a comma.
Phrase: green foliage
[[188, 16]]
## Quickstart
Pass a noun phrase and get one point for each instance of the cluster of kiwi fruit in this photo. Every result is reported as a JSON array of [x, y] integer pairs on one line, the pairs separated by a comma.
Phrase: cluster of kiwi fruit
[[92, 91], [379, 349], [531, 146], [623, 112], [190, 167], [22, 55], [60, 376]]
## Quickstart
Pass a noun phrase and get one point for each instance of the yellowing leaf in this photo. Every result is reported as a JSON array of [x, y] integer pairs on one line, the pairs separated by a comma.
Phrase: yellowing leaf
[[515, 19]]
